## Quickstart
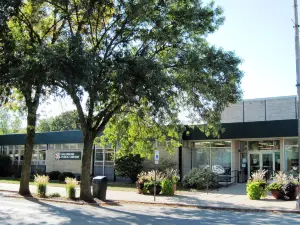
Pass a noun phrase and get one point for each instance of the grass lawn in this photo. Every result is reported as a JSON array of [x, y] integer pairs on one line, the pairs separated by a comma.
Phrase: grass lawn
[[110, 186]]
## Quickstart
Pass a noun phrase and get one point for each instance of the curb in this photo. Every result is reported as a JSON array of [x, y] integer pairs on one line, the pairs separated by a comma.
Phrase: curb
[[157, 204]]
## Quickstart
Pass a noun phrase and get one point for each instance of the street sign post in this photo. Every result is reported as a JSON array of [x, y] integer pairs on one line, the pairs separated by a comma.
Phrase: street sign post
[[156, 160]]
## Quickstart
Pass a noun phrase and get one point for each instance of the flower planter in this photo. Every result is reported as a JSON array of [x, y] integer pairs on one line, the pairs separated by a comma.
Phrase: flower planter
[[151, 189], [296, 191], [174, 187], [276, 194], [139, 186]]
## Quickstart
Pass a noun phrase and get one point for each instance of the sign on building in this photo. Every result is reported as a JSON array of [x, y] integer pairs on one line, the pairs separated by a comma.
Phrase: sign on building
[[68, 156]]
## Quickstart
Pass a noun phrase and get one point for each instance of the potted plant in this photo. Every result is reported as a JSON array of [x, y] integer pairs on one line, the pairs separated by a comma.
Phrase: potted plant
[[71, 184], [275, 189], [41, 182], [149, 186], [256, 185], [172, 175], [150, 180], [287, 186], [142, 178]]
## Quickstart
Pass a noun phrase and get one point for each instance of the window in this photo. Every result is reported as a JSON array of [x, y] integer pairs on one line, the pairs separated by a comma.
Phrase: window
[[99, 155], [264, 145], [215, 155], [291, 155], [73, 146], [51, 146], [42, 154], [35, 153], [65, 146], [21, 154], [42, 146], [108, 155]]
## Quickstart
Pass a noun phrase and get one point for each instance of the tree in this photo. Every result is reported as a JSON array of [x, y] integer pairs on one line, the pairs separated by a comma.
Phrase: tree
[[29, 28], [66, 121], [129, 166], [135, 132], [124, 54], [10, 122]]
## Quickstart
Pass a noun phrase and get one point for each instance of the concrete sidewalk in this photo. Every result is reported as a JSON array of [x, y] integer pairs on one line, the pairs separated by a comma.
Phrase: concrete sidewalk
[[233, 197]]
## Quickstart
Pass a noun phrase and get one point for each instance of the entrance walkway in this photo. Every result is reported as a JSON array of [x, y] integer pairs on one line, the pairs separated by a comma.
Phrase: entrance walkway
[[232, 197]]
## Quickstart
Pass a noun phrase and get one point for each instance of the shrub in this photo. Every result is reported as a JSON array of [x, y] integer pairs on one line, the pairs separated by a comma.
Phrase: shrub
[[172, 174], [258, 176], [274, 187], [129, 166], [71, 187], [150, 184], [5, 166], [167, 187], [54, 175], [41, 182], [256, 190], [257, 185], [54, 195], [166, 163], [200, 178], [62, 177]]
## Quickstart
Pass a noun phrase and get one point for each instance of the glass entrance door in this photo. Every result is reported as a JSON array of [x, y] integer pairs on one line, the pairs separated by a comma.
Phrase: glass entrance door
[[262, 161], [267, 164], [254, 162]]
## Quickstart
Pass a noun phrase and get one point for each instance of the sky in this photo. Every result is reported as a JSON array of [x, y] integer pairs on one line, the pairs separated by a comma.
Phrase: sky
[[261, 33]]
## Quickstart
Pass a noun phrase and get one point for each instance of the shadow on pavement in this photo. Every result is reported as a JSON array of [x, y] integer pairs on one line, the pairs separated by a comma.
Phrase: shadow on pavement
[[53, 213]]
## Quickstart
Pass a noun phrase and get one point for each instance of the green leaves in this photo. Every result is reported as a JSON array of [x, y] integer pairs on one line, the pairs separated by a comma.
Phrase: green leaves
[[66, 121], [136, 131]]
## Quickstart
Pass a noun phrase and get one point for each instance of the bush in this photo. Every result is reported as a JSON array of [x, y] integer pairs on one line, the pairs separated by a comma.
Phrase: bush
[[54, 195], [62, 177], [5, 166], [71, 187], [166, 163], [274, 187], [256, 190], [200, 178], [129, 166], [167, 187], [53, 175], [41, 184]]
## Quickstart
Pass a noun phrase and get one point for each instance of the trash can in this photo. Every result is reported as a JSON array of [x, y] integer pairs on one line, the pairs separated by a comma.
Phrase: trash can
[[99, 187], [241, 177]]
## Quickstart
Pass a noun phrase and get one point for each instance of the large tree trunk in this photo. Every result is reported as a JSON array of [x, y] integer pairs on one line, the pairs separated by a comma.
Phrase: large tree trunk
[[85, 185], [25, 174]]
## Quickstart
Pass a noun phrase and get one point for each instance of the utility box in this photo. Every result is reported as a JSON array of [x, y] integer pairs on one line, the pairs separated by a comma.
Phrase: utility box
[[100, 187]]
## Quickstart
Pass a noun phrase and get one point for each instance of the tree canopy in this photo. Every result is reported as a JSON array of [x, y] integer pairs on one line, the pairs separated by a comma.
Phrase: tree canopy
[[28, 26], [119, 55], [122, 62], [65, 121]]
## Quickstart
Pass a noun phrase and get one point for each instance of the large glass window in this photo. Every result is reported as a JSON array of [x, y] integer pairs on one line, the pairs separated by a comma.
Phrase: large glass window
[[99, 155], [35, 153], [291, 155], [19, 152], [215, 155], [42, 154], [264, 145], [108, 154]]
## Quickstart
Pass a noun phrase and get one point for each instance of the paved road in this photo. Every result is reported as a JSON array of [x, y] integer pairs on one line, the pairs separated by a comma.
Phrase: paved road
[[21, 211]]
